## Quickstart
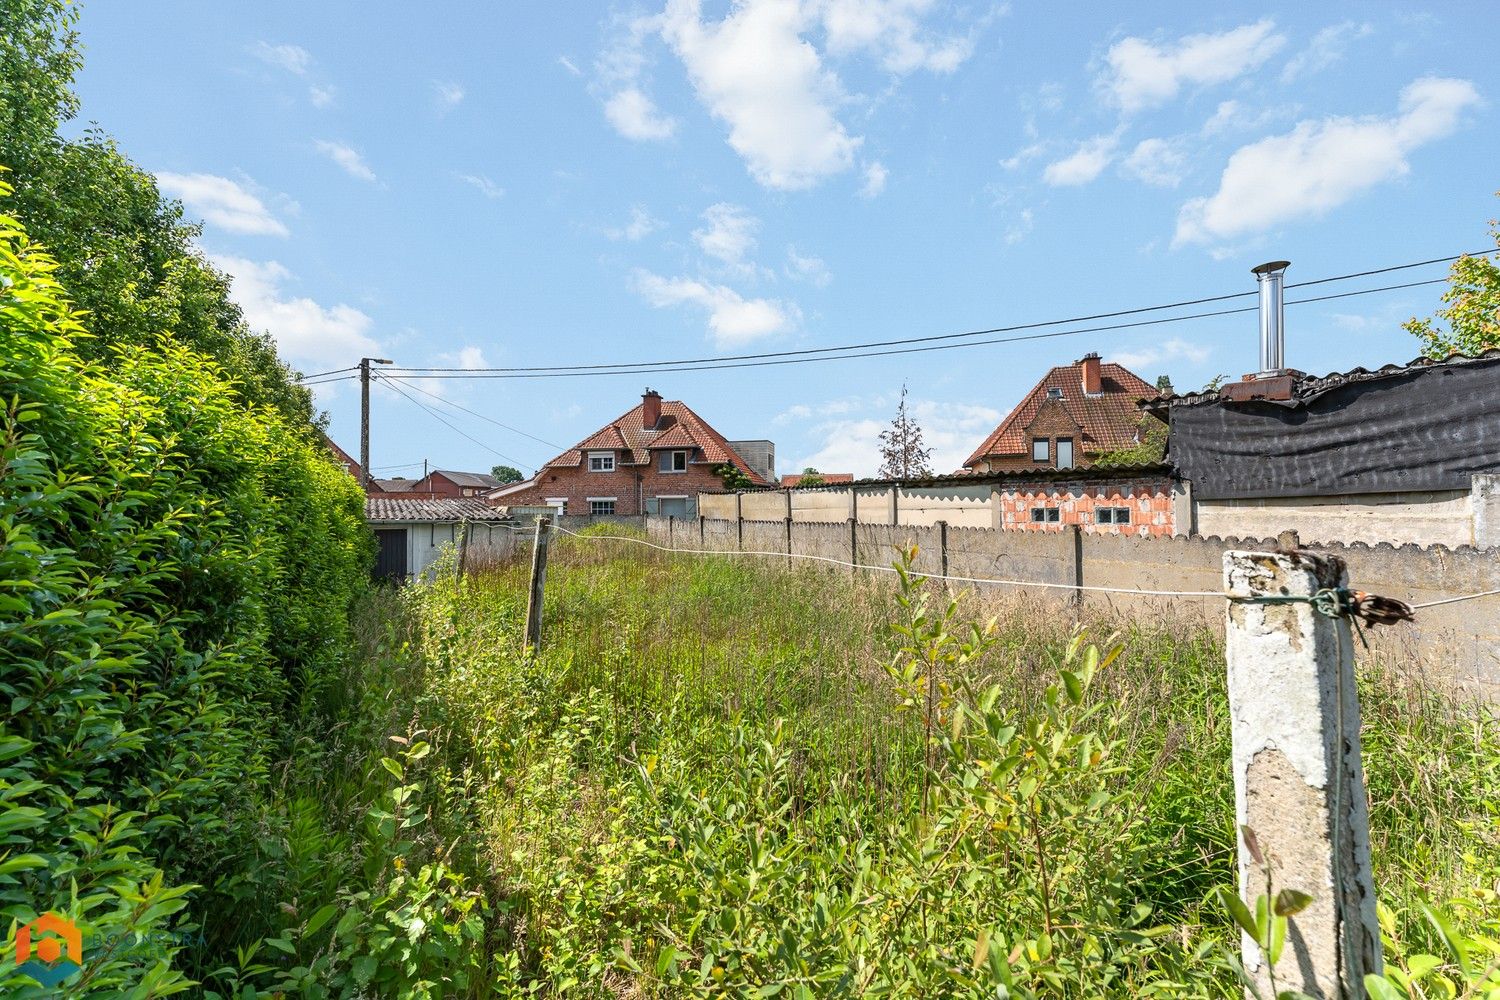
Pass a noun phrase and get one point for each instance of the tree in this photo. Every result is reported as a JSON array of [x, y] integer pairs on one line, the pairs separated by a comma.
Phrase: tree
[[507, 474], [811, 477], [124, 254], [902, 453], [732, 477], [1472, 312], [1164, 385], [1150, 447]]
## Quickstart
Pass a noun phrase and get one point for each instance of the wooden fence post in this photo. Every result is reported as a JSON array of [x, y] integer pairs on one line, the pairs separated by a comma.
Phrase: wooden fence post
[[1299, 785], [463, 548], [538, 584], [1076, 530], [942, 527], [702, 532]]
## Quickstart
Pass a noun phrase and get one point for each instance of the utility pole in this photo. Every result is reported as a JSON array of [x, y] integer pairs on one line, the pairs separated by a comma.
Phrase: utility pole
[[364, 417]]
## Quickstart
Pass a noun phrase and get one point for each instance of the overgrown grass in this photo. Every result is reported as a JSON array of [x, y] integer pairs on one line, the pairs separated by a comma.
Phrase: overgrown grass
[[711, 780]]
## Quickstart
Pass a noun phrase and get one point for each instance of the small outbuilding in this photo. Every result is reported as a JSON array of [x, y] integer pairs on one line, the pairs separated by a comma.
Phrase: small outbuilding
[[412, 533]]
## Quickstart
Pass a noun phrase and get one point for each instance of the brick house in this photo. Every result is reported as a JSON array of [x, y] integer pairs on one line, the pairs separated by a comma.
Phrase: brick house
[[653, 459], [1074, 414]]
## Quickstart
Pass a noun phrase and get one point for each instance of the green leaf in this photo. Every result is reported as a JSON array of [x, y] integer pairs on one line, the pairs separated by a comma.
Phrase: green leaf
[[1074, 684], [317, 920], [1380, 988], [1239, 911], [1290, 902]]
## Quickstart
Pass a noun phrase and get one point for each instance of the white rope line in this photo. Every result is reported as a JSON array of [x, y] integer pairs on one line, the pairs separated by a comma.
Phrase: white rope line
[[1455, 600], [890, 569]]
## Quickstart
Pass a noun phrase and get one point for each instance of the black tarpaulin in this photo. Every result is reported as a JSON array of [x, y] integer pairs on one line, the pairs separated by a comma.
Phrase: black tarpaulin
[[1427, 428]]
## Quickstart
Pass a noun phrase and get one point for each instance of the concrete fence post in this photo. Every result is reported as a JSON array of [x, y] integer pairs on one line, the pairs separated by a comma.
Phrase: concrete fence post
[[789, 541], [702, 532], [739, 521], [997, 513], [671, 532], [896, 503], [1299, 785], [854, 543], [853, 502]]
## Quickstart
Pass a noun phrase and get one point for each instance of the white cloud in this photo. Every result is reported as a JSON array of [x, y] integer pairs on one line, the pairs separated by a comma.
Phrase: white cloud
[[469, 357], [1086, 163], [1319, 165], [1143, 74], [642, 224], [569, 65], [1021, 228], [292, 58], [875, 177], [1029, 153], [756, 74], [1325, 50], [891, 30], [729, 236], [807, 268], [635, 116], [347, 158], [483, 185], [305, 331], [1157, 161], [223, 203], [853, 444], [321, 97], [448, 94], [1175, 349], [733, 320]]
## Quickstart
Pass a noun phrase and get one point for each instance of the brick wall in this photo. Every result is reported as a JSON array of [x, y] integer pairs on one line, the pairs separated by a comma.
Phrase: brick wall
[[1148, 500], [578, 484]]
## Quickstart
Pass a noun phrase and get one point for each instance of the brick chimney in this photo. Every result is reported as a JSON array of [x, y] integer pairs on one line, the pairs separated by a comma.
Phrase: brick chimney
[[650, 409], [1091, 383]]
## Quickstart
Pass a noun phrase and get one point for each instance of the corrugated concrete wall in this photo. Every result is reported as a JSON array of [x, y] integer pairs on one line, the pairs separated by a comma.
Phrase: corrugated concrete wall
[[1461, 640], [1434, 518]]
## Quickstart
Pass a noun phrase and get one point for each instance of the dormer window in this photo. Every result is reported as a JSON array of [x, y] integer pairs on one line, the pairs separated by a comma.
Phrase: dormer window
[[601, 461], [1054, 394], [672, 461]]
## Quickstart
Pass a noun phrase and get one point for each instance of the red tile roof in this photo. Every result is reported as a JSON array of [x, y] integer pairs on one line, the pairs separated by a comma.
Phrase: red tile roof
[[679, 427], [1109, 420]]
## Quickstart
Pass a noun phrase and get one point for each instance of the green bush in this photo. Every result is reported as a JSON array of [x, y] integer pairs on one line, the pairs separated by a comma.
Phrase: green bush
[[176, 571]]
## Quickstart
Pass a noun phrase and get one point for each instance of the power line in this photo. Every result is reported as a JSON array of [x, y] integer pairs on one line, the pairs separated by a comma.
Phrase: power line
[[778, 359], [475, 413], [632, 368], [328, 381], [321, 374], [441, 419]]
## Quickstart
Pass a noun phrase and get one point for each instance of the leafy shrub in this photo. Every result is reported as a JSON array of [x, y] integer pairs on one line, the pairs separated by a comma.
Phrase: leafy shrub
[[175, 576]]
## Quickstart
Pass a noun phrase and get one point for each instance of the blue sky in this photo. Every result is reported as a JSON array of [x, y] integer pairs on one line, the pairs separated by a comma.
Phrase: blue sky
[[556, 184]]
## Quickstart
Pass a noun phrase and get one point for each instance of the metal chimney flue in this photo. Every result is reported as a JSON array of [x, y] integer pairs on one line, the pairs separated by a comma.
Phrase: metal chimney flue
[[1272, 317]]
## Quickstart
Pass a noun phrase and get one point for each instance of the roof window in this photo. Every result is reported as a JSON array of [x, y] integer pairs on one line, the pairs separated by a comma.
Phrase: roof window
[[1054, 394]]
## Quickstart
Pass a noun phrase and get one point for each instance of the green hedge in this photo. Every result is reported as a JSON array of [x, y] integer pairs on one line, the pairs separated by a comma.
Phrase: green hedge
[[176, 572]]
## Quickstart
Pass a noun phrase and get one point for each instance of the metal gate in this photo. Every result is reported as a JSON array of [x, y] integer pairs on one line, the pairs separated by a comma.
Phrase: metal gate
[[390, 563]]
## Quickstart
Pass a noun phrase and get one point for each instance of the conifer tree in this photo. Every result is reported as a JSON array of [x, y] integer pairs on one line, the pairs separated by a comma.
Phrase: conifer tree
[[902, 453]]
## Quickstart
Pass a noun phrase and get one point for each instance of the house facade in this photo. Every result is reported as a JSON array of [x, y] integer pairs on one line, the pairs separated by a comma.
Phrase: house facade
[[1073, 415], [653, 459]]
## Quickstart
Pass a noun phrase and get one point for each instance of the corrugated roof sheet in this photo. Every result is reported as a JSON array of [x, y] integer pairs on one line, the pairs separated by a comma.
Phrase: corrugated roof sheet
[[1108, 420], [394, 485], [1311, 386], [431, 509]]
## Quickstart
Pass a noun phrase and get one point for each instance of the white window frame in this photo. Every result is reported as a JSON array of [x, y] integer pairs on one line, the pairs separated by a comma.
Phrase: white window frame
[[1046, 447], [1057, 447], [1054, 393], [603, 456], [672, 461], [612, 501]]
